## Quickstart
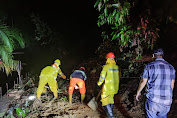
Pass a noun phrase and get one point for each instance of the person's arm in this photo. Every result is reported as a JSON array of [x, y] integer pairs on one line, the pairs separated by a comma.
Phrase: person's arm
[[70, 77], [142, 84], [61, 74], [84, 75], [172, 84], [102, 76]]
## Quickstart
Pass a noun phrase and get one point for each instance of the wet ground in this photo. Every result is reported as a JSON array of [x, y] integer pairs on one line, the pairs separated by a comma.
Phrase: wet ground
[[125, 105]]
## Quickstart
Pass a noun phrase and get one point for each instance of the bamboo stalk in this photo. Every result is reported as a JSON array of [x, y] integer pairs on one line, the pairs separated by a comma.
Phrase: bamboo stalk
[[1, 92], [19, 73], [17, 81], [14, 84], [7, 88], [26, 76], [18, 53]]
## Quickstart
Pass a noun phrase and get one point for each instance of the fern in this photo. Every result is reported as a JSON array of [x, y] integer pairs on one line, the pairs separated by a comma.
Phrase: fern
[[9, 37]]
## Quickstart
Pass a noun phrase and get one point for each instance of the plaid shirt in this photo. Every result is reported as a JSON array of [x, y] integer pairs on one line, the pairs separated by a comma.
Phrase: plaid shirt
[[160, 75]]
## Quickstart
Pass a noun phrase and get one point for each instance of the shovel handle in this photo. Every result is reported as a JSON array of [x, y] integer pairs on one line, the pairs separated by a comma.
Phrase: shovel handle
[[98, 94]]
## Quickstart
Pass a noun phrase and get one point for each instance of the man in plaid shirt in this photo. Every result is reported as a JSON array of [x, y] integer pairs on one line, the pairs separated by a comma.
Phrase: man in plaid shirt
[[159, 79]]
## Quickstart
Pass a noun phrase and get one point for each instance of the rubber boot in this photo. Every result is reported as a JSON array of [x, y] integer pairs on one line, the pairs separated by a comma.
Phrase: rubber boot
[[55, 94], [112, 106], [39, 96], [70, 99], [109, 111], [82, 98]]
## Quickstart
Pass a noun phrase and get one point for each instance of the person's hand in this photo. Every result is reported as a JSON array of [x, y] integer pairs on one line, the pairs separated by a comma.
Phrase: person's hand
[[76, 87], [63, 76], [138, 95], [99, 83]]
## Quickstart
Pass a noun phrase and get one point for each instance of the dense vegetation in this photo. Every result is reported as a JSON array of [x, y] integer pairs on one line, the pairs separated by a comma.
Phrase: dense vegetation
[[132, 30]]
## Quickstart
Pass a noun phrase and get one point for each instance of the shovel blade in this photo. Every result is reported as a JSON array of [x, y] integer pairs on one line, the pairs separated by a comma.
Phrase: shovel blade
[[93, 104]]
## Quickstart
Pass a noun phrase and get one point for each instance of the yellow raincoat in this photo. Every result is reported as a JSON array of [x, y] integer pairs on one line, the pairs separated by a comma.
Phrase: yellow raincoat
[[49, 75], [110, 77]]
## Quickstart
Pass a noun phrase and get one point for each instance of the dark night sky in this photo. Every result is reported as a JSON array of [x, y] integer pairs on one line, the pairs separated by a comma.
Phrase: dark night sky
[[77, 23], [75, 20]]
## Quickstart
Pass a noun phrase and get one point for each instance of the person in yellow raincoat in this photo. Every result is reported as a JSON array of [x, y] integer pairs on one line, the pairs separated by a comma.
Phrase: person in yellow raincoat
[[109, 77], [49, 75]]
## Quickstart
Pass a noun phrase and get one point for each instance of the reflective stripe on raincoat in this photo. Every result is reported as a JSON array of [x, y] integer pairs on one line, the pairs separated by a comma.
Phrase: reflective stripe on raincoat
[[110, 76]]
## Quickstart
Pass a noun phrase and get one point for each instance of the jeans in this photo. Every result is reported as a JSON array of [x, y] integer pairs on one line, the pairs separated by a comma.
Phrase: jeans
[[155, 110]]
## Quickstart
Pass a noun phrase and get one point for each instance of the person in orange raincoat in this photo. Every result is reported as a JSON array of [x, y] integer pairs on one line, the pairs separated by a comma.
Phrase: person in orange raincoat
[[48, 76], [109, 77], [77, 81]]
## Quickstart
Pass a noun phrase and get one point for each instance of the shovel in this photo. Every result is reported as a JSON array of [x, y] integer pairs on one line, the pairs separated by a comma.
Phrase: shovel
[[93, 102]]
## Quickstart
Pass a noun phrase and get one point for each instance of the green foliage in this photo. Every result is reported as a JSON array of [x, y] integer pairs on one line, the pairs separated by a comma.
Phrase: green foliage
[[59, 90], [10, 39], [115, 16], [64, 98], [9, 116], [47, 37], [2, 114], [20, 112], [127, 35], [42, 30]]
